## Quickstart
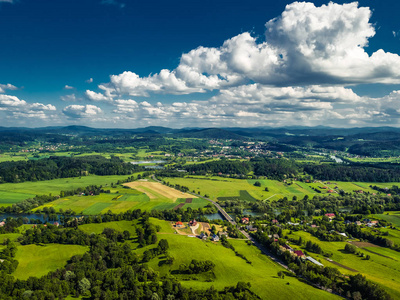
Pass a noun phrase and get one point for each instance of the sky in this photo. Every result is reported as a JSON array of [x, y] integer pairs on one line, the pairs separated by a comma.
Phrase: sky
[[130, 64]]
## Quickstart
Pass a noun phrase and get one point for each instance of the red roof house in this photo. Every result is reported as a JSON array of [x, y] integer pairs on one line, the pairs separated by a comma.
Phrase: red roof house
[[193, 223], [299, 253]]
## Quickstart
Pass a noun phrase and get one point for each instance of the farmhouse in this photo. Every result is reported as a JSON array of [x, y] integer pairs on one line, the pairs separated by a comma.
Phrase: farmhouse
[[299, 253], [330, 216], [203, 236], [193, 223], [372, 223], [215, 238], [287, 247]]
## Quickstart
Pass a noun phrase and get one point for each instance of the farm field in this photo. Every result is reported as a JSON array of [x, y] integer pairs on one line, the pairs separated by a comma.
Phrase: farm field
[[383, 269], [391, 234], [9, 198], [390, 216], [37, 260], [218, 188], [15, 192], [11, 157], [157, 190], [120, 226], [124, 199], [262, 273]]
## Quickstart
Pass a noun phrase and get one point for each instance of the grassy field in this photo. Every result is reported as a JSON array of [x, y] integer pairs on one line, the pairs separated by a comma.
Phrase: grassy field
[[121, 200], [219, 188], [37, 261], [383, 267], [230, 269], [391, 216], [16, 192], [9, 198], [262, 273], [117, 225]]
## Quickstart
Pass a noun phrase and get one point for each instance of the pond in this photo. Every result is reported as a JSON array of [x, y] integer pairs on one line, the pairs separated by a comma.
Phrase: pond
[[141, 162], [42, 218], [216, 216]]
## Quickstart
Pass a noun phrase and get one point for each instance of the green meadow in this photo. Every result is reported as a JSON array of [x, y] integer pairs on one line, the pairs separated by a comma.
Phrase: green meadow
[[9, 198], [383, 267], [219, 188], [37, 261], [15, 192], [229, 269], [120, 226], [390, 216], [119, 200]]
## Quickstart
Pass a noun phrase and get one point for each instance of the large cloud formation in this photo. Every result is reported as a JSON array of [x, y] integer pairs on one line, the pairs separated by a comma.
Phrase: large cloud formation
[[300, 72], [305, 45]]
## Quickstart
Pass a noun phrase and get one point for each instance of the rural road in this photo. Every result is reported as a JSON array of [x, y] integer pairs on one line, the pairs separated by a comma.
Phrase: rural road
[[250, 238]]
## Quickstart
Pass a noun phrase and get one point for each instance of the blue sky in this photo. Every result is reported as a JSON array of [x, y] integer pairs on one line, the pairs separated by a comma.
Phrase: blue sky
[[116, 63]]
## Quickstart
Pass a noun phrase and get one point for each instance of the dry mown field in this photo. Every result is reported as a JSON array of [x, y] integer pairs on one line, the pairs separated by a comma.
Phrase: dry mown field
[[363, 244], [155, 190]]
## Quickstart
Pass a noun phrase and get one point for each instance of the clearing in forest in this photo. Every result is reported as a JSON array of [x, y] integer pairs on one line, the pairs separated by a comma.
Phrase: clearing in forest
[[154, 189]]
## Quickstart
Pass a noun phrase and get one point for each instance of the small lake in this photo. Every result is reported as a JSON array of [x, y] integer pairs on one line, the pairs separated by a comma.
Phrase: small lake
[[43, 218], [154, 167], [216, 216], [142, 162]]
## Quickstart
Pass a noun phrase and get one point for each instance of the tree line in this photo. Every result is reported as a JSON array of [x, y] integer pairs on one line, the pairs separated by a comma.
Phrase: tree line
[[63, 167]]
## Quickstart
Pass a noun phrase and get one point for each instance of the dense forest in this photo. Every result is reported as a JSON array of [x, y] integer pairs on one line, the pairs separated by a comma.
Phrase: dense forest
[[280, 169], [62, 167]]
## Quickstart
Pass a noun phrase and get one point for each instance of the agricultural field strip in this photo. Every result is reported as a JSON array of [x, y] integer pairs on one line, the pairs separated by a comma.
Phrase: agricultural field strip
[[230, 268], [159, 189], [377, 269]]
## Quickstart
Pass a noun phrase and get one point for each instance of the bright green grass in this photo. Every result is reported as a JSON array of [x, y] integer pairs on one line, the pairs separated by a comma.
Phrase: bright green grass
[[166, 227], [55, 186], [230, 269], [9, 198], [37, 261], [393, 234], [92, 205], [9, 157], [391, 216], [96, 208], [381, 270], [10, 236], [130, 199], [120, 226], [218, 187]]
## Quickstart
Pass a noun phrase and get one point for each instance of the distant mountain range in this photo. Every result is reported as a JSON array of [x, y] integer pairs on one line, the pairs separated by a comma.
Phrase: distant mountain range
[[238, 133]]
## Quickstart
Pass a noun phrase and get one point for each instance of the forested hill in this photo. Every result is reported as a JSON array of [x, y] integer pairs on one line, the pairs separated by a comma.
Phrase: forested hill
[[62, 167], [280, 169]]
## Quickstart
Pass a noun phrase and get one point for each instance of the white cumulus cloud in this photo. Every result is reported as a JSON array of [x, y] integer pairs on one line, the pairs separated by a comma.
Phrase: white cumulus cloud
[[305, 45], [8, 86], [81, 111]]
